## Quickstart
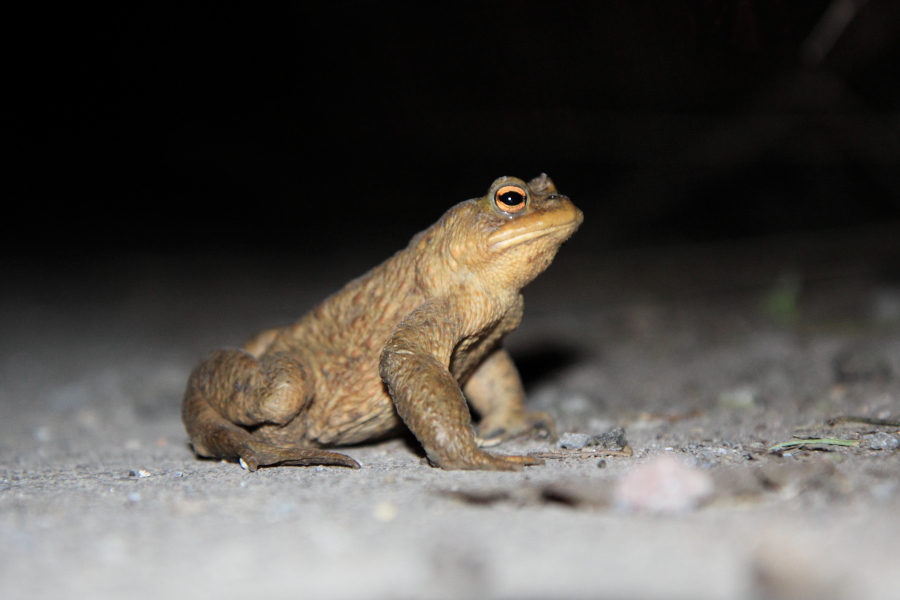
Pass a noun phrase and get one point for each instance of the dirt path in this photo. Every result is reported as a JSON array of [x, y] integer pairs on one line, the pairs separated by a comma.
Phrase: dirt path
[[707, 355]]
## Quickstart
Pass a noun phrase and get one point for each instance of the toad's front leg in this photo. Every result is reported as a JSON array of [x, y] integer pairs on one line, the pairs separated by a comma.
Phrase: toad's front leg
[[427, 396]]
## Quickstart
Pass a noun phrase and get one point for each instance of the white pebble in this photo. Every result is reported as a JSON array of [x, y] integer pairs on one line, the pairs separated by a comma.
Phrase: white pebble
[[882, 441], [573, 441]]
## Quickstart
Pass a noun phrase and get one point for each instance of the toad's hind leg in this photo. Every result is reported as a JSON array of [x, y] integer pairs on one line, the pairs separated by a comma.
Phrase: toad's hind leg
[[232, 390], [495, 390]]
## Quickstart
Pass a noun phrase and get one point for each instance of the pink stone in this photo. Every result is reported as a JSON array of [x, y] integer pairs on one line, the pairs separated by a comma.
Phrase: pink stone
[[663, 485]]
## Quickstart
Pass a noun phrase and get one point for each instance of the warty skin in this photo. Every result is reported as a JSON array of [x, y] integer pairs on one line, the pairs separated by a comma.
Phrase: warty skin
[[411, 343]]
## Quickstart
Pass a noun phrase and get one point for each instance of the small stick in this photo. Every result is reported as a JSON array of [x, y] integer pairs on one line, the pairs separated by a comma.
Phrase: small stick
[[805, 442], [626, 451], [865, 420]]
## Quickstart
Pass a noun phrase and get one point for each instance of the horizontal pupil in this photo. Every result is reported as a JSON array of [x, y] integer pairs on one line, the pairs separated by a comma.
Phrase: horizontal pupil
[[511, 198]]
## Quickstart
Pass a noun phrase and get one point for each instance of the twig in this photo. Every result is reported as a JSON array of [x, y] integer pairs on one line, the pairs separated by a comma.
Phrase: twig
[[865, 420], [626, 451], [812, 442]]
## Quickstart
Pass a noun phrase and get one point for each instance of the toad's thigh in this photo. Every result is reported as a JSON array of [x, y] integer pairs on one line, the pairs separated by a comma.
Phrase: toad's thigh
[[250, 391]]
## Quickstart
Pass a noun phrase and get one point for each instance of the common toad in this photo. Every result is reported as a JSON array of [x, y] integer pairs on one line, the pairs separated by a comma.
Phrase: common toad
[[412, 342]]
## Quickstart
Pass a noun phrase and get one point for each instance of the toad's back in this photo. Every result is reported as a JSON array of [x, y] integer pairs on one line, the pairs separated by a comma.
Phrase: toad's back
[[340, 342]]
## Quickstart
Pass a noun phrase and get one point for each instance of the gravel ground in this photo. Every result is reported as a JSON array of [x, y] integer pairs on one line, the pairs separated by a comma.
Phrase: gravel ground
[[707, 355]]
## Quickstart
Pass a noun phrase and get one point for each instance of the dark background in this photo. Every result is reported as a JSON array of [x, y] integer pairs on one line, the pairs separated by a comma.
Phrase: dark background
[[323, 127]]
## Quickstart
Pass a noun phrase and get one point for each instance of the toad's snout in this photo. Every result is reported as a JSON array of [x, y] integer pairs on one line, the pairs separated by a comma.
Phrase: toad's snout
[[560, 218]]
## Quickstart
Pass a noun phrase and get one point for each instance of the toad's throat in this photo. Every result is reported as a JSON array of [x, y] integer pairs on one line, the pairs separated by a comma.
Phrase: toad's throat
[[521, 237], [534, 226]]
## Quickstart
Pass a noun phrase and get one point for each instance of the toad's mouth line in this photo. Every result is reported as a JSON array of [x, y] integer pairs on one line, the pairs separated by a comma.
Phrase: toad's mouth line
[[527, 236]]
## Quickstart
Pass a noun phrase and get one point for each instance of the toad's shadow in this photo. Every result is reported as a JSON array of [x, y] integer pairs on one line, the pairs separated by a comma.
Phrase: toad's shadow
[[541, 360]]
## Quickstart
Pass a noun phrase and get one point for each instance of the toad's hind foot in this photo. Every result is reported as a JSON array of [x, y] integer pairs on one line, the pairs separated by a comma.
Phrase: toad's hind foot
[[255, 454], [232, 391], [215, 437]]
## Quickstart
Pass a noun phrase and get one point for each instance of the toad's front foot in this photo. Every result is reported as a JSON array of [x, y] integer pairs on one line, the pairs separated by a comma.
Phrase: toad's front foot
[[498, 427]]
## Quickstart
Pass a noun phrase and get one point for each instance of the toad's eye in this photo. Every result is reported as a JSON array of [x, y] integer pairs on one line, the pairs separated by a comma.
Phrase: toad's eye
[[510, 198]]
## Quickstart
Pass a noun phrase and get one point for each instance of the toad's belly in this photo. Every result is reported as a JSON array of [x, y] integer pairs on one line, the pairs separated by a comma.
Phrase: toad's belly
[[352, 409]]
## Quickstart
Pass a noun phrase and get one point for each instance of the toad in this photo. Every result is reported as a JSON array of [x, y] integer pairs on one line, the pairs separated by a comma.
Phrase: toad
[[412, 343]]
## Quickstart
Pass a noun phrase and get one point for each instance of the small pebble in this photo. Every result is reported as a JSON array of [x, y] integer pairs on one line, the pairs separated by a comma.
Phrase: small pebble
[[738, 398], [663, 485], [614, 439], [881, 441], [319, 469], [243, 464], [602, 463], [385, 512], [134, 497], [573, 441]]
